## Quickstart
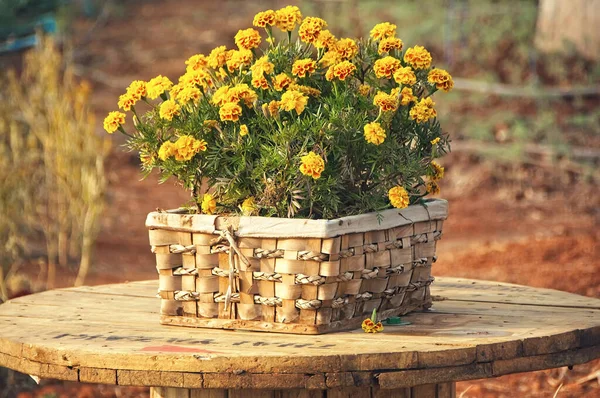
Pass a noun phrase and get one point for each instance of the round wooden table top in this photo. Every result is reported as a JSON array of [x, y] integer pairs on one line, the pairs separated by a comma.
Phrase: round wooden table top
[[475, 329]]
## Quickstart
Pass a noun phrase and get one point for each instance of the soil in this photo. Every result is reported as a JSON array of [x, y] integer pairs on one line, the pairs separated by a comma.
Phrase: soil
[[518, 224]]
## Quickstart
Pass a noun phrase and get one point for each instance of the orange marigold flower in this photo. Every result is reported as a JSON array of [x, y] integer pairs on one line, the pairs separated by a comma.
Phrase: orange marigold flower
[[195, 62], [388, 44], [195, 78], [287, 18], [260, 82], [113, 121], [293, 99], [217, 57], [325, 39], [437, 171], [432, 187], [304, 66], [313, 92], [386, 66], [387, 102], [189, 94], [407, 96], [330, 58], [137, 89], [310, 28], [167, 149], [423, 110], [169, 109], [340, 71], [371, 327], [405, 75], [247, 39], [220, 96], [230, 111], [158, 86], [346, 48], [273, 108], [126, 101], [383, 30], [239, 59], [175, 90], [398, 197], [209, 204], [262, 66], [187, 146], [243, 130], [374, 133], [364, 89], [418, 57], [282, 81], [264, 19], [441, 78], [242, 92], [312, 165]]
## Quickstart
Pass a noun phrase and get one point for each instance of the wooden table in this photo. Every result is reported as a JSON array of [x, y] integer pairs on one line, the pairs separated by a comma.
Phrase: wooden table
[[476, 329]]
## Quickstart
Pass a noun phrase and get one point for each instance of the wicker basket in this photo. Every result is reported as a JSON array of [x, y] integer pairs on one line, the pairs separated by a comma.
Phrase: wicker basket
[[294, 275]]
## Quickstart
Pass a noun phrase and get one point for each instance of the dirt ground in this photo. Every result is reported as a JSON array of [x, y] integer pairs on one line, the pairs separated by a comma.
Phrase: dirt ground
[[520, 224]]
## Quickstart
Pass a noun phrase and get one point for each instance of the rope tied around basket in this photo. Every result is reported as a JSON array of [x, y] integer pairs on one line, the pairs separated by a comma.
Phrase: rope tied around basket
[[233, 288]]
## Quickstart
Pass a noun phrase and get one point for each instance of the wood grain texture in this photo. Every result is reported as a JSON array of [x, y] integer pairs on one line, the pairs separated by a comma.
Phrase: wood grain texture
[[111, 334]]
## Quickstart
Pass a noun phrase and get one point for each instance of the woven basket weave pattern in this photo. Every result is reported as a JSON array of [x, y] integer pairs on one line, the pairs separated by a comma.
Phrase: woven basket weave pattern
[[312, 281]]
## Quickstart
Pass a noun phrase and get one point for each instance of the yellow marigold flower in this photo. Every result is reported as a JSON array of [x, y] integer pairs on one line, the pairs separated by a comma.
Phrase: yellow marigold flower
[[264, 19], [407, 96], [195, 62], [442, 79], [248, 206], [242, 92], [383, 30], [221, 96], [287, 18], [340, 71], [210, 123], [330, 58], [209, 204], [293, 99], [126, 101], [243, 130], [405, 75], [189, 94], [217, 57], [158, 86], [313, 92], [262, 66], [195, 78], [368, 326], [398, 197], [437, 171], [374, 133], [346, 48], [310, 28], [432, 187], [167, 149], [325, 39], [282, 81], [388, 44], [364, 89], [187, 146], [247, 39], [423, 110], [137, 89], [260, 82], [230, 111], [418, 57], [113, 121], [386, 66], [273, 108], [168, 109], [239, 59], [304, 66], [312, 165], [175, 90], [435, 140], [387, 102]]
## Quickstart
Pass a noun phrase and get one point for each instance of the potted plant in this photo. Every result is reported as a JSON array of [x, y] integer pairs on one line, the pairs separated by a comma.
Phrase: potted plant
[[309, 159]]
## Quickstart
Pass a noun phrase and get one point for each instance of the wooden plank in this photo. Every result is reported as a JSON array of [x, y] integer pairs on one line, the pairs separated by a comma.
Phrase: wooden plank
[[446, 390], [409, 378], [424, 391], [207, 393]]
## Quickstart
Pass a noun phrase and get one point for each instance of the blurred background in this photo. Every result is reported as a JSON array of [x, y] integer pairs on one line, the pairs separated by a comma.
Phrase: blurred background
[[522, 178]]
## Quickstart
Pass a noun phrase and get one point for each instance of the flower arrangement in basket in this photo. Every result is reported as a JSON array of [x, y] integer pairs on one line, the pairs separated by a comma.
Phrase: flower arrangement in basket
[[334, 135]]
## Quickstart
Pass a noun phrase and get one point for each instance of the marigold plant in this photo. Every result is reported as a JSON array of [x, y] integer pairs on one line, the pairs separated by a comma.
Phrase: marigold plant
[[294, 122]]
